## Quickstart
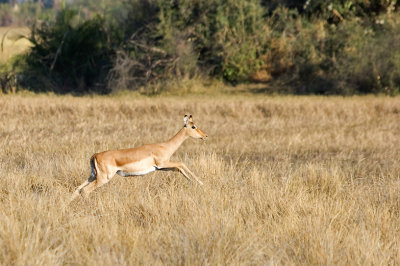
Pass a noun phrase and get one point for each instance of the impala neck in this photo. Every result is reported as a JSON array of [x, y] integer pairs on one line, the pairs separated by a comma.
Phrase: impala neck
[[176, 141]]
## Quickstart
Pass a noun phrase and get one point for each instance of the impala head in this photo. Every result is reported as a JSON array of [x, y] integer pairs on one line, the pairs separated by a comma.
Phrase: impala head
[[192, 130]]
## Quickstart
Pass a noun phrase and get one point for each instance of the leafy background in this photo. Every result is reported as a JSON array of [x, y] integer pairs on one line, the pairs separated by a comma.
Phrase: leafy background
[[301, 47]]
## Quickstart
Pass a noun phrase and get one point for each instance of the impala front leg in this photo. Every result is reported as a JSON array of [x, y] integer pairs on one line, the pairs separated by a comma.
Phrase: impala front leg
[[181, 167], [191, 173]]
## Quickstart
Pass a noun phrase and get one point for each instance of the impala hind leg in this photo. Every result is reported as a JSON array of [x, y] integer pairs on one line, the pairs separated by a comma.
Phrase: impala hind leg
[[92, 178], [79, 190], [100, 180]]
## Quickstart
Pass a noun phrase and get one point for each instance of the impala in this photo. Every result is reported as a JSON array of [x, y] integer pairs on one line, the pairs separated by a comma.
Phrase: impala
[[140, 160]]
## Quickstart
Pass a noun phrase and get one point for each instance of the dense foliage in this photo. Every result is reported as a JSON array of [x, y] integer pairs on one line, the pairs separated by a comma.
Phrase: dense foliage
[[313, 46], [69, 55]]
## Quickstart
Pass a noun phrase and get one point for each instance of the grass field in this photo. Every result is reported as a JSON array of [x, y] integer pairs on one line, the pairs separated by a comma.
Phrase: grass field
[[287, 180]]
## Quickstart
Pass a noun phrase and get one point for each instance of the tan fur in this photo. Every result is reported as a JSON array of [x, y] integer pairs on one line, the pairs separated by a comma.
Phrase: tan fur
[[142, 159]]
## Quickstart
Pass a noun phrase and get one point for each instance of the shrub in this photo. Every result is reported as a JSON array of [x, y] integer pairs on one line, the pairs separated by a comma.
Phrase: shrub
[[69, 56], [371, 60], [182, 39], [315, 56], [141, 60]]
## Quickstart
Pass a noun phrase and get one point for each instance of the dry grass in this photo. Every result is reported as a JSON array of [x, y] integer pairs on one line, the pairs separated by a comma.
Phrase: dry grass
[[11, 42], [302, 180]]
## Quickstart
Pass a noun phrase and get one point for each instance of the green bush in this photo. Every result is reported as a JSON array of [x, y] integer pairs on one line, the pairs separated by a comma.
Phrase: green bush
[[183, 39], [69, 55], [227, 35], [316, 56], [370, 63], [140, 60]]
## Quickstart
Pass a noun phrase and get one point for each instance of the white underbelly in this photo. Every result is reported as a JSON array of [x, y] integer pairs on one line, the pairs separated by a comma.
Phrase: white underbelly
[[143, 172]]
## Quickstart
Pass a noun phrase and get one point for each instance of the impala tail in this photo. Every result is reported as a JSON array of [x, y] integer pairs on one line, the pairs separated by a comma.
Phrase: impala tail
[[93, 171], [92, 177]]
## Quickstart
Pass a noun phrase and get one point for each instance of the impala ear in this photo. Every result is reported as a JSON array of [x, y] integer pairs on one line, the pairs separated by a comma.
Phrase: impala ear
[[190, 119], [185, 120]]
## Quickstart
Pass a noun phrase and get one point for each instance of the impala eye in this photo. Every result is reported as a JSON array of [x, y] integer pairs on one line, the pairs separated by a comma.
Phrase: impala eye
[[193, 127]]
